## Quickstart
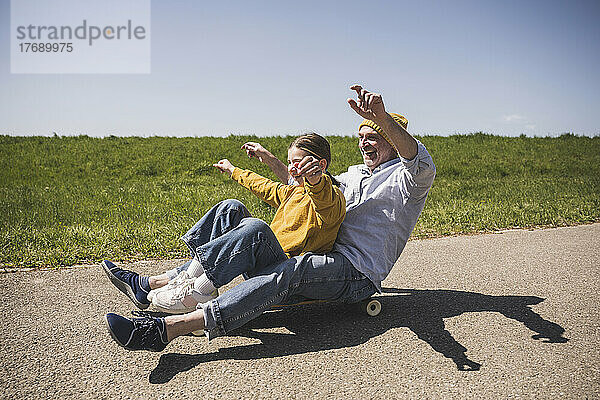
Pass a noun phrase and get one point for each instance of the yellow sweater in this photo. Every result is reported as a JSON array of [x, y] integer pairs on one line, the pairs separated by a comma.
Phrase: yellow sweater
[[307, 218]]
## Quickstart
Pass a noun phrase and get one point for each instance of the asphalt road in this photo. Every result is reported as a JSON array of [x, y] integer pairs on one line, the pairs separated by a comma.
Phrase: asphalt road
[[508, 315]]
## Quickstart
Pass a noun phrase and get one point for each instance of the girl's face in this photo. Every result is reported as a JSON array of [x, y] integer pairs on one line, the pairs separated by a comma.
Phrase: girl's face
[[295, 155]]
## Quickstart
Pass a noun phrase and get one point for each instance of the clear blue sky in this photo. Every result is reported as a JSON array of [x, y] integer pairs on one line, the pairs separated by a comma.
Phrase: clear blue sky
[[283, 67]]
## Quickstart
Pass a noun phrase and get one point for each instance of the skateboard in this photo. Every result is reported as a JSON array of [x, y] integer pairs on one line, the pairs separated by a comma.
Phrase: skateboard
[[371, 305]]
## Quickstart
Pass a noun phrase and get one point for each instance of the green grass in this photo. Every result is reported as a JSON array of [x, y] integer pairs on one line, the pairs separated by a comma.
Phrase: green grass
[[68, 200]]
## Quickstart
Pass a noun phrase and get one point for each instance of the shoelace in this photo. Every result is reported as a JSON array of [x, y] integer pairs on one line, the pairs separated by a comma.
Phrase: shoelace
[[182, 290], [183, 276], [173, 283], [149, 325]]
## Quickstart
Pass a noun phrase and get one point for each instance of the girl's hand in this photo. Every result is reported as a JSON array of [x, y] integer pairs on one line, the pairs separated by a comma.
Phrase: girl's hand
[[310, 169], [255, 150], [224, 166]]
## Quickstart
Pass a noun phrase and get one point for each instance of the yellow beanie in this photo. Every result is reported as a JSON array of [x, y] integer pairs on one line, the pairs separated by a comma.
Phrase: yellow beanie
[[397, 117]]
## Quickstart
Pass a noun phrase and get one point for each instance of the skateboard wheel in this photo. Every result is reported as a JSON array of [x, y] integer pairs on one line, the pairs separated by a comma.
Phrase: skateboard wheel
[[373, 307]]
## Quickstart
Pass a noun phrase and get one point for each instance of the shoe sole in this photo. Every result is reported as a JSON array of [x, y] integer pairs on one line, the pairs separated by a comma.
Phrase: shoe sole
[[123, 287], [112, 335]]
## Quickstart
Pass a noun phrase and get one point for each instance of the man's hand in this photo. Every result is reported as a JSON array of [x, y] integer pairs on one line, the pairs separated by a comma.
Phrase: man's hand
[[224, 166], [308, 168], [255, 150], [368, 105]]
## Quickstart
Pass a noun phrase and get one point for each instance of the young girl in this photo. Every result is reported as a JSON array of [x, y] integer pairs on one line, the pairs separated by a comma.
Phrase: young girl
[[307, 219], [309, 214]]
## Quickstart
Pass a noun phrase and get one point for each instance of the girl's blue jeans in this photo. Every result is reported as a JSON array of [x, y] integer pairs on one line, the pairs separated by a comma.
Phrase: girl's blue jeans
[[228, 242]]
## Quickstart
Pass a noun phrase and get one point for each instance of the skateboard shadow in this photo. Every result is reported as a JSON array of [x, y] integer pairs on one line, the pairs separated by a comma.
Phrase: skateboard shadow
[[328, 326]]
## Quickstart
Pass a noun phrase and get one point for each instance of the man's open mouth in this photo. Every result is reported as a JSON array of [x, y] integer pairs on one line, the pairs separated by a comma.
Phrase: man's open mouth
[[370, 153]]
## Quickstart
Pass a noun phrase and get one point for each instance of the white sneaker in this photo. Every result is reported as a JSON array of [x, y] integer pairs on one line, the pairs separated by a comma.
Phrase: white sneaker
[[173, 283], [181, 299]]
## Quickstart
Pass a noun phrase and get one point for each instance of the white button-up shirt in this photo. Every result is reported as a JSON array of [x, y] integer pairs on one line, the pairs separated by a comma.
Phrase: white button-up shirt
[[382, 208]]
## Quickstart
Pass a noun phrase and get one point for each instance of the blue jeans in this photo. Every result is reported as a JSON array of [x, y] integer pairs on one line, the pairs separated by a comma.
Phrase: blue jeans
[[228, 242]]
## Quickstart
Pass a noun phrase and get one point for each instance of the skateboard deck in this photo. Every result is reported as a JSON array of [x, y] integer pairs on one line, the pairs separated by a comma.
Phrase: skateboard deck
[[371, 305]]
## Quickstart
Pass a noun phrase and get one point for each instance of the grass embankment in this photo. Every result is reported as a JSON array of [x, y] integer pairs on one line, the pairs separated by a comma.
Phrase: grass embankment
[[80, 199]]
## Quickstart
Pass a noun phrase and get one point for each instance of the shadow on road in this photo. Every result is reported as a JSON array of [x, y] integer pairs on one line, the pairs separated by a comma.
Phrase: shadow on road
[[332, 326]]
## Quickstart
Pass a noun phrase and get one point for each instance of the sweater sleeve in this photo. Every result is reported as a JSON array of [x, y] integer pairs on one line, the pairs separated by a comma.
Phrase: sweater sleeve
[[329, 201], [273, 193]]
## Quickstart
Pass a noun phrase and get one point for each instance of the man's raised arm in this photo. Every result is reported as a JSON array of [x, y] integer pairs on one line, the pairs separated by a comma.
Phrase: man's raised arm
[[370, 106]]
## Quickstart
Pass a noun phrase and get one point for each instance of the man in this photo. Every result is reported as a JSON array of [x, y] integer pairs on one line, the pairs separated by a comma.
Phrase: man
[[384, 197]]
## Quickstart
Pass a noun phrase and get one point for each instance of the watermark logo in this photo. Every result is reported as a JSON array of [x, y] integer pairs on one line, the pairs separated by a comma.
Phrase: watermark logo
[[80, 36]]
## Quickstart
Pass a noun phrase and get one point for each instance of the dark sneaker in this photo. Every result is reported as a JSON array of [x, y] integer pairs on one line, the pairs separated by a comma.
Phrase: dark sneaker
[[134, 286], [142, 333]]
